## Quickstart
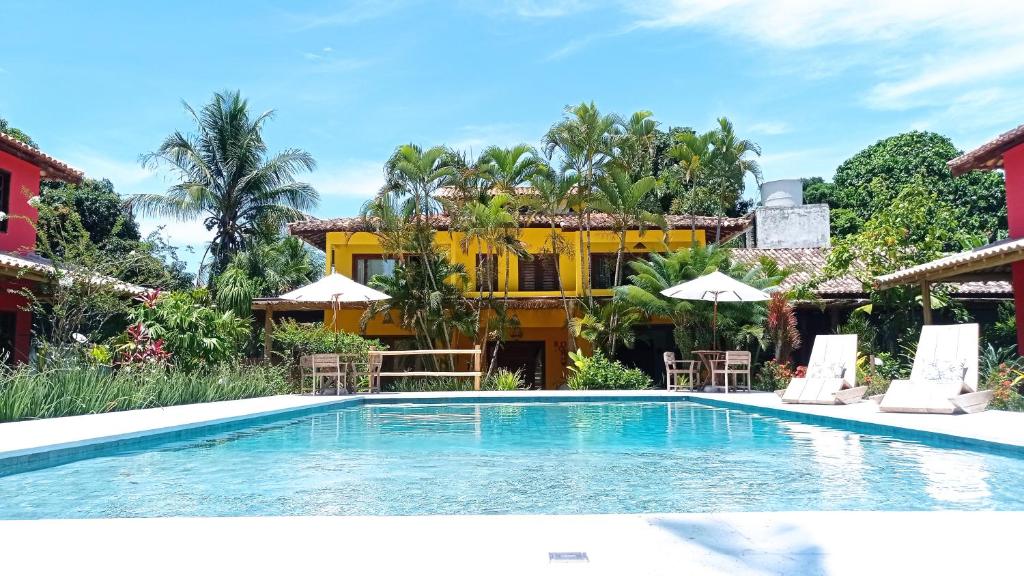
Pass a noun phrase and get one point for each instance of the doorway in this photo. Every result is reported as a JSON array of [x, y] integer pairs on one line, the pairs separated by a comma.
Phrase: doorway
[[525, 356]]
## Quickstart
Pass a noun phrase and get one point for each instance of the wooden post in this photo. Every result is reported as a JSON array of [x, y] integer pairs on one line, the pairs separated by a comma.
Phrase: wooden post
[[476, 368], [926, 302], [268, 332]]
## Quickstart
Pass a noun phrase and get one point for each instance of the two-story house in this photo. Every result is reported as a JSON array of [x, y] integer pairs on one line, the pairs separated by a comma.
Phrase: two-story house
[[21, 169], [539, 340]]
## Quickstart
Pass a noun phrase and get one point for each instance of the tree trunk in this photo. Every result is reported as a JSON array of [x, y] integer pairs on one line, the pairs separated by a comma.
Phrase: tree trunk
[[561, 287]]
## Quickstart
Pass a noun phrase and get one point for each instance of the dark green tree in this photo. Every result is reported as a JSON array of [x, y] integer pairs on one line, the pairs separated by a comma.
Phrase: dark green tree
[[18, 135], [870, 181]]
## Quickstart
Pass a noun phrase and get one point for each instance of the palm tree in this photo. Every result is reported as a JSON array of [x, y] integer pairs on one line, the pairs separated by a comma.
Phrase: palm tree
[[691, 152], [741, 323], [416, 174], [483, 224], [553, 190], [636, 144], [225, 176], [730, 165], [266, 269], [586, 140], [625, 202], [506, 169]]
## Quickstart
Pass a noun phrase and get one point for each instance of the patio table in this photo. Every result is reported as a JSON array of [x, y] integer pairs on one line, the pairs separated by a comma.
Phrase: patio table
[[707, 358]]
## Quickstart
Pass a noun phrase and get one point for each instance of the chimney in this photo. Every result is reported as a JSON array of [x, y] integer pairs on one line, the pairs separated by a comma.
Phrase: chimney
[[784, 221]]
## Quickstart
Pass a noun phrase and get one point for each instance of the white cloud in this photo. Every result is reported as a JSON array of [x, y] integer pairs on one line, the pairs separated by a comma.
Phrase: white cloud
[[545, 8], [768, 128], [126, 173], [351, 14], [473, 138], [359, 179], [920, 51]]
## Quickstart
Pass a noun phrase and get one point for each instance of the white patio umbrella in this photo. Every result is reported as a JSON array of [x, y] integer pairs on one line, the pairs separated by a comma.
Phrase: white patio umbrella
[[334, 288], [716, 287]]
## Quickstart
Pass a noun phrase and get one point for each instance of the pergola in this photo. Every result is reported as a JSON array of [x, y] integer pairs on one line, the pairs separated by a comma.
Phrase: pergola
[[990, 263], [1003, 260]]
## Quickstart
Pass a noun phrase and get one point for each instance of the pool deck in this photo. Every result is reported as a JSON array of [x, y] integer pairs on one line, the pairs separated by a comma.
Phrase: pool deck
[[789, 543], [797, 543]]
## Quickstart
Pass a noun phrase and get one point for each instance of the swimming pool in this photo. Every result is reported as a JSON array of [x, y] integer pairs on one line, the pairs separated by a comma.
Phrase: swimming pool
[[517, 458]]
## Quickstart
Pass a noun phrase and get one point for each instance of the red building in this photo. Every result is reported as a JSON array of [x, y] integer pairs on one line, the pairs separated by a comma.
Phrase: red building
[[21, 169]]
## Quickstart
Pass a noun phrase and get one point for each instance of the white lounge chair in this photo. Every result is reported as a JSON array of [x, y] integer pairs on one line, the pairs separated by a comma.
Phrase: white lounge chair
[[831, 374], [944, 379]]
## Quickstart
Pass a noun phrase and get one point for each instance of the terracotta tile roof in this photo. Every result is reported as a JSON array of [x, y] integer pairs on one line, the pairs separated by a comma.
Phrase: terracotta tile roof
[[34, 267], [49, 167], [809, 262], [314, 231], [992, 257], [988, 156]]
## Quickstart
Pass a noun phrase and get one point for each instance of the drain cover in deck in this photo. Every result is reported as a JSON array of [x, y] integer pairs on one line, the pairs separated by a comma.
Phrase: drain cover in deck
[[568, 557]]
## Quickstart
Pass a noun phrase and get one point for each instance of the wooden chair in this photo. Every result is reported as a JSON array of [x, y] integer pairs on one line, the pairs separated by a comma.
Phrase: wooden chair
[[327, 366], [676, 368], [734, 364], [364, 368]]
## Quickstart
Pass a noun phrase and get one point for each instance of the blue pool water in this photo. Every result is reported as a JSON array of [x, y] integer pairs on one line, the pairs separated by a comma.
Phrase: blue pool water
[[546, 458]]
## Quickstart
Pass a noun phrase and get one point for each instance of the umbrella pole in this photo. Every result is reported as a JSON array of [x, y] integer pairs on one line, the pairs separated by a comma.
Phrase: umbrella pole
[[714, 325]]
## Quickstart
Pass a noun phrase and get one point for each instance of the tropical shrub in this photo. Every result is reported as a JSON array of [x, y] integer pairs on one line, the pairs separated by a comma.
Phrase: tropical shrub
[[876, 373], [740, 324], [411, 384], [597, 372], [504, 379], [1003, 381], [776, 376], [72, 388], [193, 331], [780, 326], [293, 339]]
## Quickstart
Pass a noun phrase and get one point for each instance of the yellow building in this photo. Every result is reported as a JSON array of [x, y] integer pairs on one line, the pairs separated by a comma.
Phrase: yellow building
[[538, 343]]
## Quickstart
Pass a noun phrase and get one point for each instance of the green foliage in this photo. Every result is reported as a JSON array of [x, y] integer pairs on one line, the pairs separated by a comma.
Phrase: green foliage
[[868, 183], [94, 207], [1003, 332], [424, 301], [266, 269], [72, 389], [226, 177], [606, 323], [18, 135], [876, 377], [1004, 380], [504, 379], [740, 325], [101, 210], [597, 372], [195, 333], [410, 384], [293, 339], [916, 228], [772, 376]]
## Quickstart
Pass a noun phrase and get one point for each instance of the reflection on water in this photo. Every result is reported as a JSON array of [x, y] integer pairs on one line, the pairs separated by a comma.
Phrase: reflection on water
[[839, 454], [531, 458], [950, 476]]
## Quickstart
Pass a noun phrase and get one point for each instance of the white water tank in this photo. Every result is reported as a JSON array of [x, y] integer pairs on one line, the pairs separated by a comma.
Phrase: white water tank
[[782, 193]]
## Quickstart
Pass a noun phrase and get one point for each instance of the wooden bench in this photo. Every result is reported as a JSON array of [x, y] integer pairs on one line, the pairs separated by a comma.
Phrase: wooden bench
[[377, 358]]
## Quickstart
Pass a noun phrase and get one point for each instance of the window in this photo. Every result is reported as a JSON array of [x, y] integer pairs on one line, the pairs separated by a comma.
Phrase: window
[[5, 198], [486, 265], [538, 273], [602, 270], [8, 324], [366, 266]]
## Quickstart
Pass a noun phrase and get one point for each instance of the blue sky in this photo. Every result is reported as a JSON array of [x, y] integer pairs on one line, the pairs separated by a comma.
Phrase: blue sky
[[98, 83]]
